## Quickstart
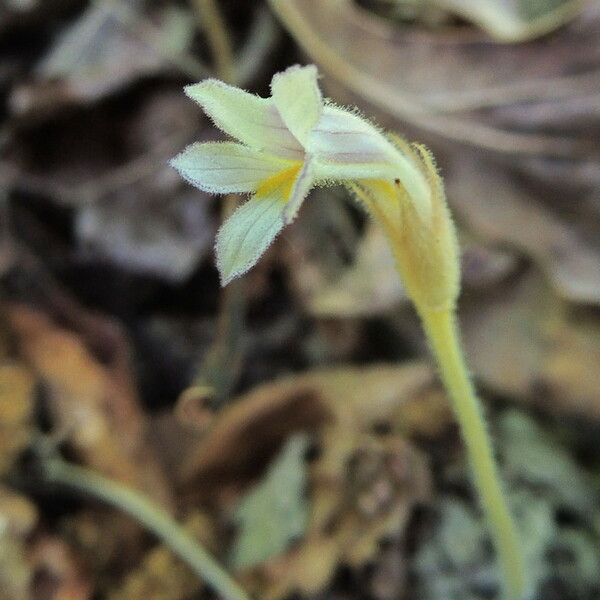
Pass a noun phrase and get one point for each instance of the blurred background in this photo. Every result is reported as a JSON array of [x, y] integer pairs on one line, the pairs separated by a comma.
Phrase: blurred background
[[293, 423]]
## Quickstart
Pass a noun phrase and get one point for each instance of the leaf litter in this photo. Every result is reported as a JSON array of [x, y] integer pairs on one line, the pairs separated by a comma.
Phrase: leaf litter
[[109, 303]]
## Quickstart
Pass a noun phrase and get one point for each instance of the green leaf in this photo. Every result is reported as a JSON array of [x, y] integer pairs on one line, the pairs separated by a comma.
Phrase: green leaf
[[274, 512]]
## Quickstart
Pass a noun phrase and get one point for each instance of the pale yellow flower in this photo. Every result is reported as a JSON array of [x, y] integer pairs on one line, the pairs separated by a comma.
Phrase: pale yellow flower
[[287, 144]]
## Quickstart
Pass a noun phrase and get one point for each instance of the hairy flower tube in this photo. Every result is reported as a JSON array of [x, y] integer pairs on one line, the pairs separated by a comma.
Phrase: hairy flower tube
[[296, 140]]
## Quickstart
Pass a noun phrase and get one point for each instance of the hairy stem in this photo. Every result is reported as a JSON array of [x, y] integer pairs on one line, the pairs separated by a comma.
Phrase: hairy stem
[[152, 517], [442, 332]]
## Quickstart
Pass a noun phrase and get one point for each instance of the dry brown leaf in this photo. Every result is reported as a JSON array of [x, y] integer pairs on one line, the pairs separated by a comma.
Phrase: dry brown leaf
[[17, 384], [18, 517], [450, 82], [372, 286], [362, 486], [248, 433], [570, 372], [362, 492], [523, 342], [168, 243], [94, 405], [489, 200], [163, 576], [177, 230], [19, 514], [369, 287], [110, 45], [502, 334], [317, 249], [58, 574]]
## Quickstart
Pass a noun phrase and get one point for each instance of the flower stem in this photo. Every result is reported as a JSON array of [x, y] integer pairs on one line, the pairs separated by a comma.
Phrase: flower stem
[[152, 517], [441, 329]]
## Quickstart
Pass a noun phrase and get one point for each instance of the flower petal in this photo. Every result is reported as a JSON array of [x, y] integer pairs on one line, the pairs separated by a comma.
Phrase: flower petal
[[298, 99], [341, 136], [247, 234], [250, 119], [226, 167], [302, 186], [348, 147]]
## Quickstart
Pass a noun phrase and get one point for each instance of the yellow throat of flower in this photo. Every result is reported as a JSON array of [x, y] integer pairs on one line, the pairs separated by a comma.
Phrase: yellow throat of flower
[[281, 183]]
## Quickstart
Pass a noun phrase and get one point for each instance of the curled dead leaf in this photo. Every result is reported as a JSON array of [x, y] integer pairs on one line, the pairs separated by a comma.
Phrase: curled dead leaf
[[249, 432]]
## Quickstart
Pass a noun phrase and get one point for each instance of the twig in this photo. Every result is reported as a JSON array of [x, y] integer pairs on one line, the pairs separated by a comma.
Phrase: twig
[[212, 22], [151, 516], [263, 35], [220, 366]]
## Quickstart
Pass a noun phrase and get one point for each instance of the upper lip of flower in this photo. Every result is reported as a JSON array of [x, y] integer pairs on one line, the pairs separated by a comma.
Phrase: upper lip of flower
[[286, 144]]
